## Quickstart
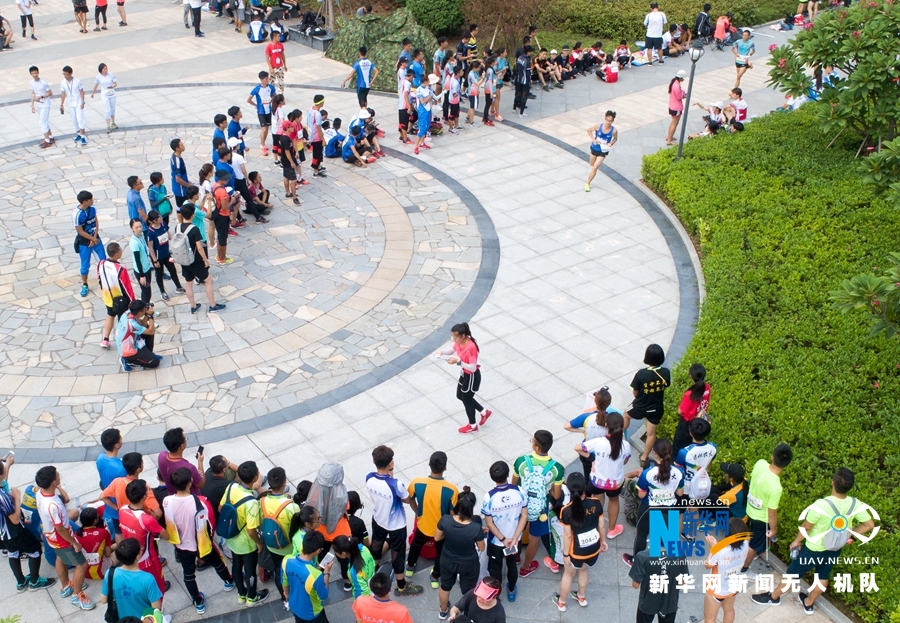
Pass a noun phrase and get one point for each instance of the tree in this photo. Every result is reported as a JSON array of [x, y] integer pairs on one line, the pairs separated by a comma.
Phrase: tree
[[878, 295], [860, 41], [508, 19]]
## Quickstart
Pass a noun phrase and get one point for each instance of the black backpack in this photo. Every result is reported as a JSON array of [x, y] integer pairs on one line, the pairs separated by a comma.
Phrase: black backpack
[[112, 608]]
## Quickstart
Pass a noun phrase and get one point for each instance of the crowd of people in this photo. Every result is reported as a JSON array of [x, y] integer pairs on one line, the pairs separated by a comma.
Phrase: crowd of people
[[292, 535]]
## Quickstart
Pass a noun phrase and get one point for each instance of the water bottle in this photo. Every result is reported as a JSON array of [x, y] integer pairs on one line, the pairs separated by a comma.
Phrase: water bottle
[[78, 502], [795, 553]]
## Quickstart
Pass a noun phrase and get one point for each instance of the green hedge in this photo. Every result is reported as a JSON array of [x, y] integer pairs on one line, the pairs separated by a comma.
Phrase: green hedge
[[442, 17], [781, 220]]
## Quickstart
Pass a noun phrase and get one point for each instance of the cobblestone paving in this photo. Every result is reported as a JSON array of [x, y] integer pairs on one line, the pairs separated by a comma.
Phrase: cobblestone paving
[[370, 263]]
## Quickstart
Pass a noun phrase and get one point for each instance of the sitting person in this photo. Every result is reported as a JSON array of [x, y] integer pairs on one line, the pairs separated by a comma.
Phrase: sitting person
[[713, 113], [578, 59], [257, 32], [737, 109], [724, 33], [541, 70], [608, 71], [257, 189], [622, 54], [596, 55], [350, 151], [793, 103], [368, 130], [684, 36], [567, 71], [134, 336], [334, 140], [671, 47]]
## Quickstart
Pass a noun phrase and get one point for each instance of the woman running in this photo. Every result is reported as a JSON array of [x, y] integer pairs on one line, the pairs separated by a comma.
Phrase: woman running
[[603, 137], [107, 84], [466, 350]]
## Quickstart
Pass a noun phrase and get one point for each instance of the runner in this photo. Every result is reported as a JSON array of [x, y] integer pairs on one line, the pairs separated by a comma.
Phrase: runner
[[425, 98], [316, 137], [463, 538], [40, 101], [434, 497], [611, 452], [87, 240], [694, 460], [366, 73], [107, 84], [603, 137], [725, 566], [263, 94], [762, 502], [465, 354], [583, 540], [694, 403], [505, 511], [742, 49], [277, 62]]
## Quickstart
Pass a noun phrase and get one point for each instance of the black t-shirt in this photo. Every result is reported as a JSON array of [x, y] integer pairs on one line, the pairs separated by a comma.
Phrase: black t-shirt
[[462, 51], [460, 539], [650, 384], [193, 237], [644, 566], [286, 145], [586, 537], [358, 528], [214, 488], [468, 605]]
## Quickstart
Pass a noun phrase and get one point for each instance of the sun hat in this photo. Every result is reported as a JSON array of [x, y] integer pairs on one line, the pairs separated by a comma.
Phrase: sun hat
[[432, 79], [486, 592]]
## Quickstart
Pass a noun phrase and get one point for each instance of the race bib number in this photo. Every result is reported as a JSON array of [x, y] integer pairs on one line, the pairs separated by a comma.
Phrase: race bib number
[[26, 515], [664, 497], [164, 238], [754, 501], [589, 538], [92, 559]]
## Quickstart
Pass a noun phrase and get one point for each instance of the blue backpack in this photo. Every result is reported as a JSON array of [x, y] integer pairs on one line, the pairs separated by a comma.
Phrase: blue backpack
[[272, 532], [227, 525]]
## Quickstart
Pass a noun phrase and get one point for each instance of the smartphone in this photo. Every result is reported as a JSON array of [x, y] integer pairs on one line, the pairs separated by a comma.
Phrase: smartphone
[[510, 551], [199, 451], [328, 558]]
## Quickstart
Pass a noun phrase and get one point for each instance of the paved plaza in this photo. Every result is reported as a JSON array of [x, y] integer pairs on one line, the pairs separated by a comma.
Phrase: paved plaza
[[334, 308]]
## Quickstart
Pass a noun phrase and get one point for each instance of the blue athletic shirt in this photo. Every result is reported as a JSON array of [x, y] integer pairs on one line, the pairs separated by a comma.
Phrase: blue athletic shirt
[[347, 149], [418, 73], [333, 149], [217, 133], [658, 493], [109, 468], [87, 219], [363, 68], [235, 130], [263, 97], [178, 169]]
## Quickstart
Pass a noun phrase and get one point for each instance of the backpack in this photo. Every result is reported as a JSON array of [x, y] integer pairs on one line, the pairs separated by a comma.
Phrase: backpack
[[534, 485], [631, 501], [228, 526], [180, 246], [833, 540], [272, 532], [112, 608]]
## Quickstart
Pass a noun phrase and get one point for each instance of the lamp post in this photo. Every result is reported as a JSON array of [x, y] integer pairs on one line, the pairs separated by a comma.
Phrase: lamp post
[[696, 52]]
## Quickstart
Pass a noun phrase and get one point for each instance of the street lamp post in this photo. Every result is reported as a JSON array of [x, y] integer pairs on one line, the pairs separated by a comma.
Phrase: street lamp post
[[696, 52]]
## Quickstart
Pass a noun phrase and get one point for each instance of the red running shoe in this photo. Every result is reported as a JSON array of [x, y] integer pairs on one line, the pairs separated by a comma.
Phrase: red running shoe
[[488, 122], [380, 153], [231, 232], [524, 572], [426, 145], [468, 428], [484, 417]]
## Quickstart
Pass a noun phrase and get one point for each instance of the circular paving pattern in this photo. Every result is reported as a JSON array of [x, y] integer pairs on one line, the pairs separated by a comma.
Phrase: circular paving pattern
[[328, 292]]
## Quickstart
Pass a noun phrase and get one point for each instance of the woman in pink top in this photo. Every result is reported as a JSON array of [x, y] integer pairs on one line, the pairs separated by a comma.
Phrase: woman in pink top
[[466, 350], [676, 104]]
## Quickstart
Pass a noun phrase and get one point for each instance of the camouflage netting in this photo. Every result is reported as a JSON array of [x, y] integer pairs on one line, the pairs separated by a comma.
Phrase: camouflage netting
[[382, 36]]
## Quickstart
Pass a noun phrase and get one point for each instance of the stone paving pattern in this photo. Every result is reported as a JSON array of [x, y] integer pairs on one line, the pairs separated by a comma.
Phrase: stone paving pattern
[[585, 282]]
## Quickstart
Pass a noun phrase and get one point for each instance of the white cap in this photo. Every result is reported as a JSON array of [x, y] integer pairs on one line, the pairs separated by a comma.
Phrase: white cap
[[718, 105], [363, 114], [681, 74], [233, 142], [553, 52], [433, 79]]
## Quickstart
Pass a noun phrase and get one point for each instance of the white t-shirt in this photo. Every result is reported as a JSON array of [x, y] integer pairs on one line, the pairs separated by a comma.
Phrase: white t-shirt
[[727, 565], [196, 4], [606, 472], [106, 84], [237, 162], [40, 88], [403, 94], [73, 91], [53, 515], [182, 511], [694, 461], [421, 93], [387, 494], [504, 504], [205, 188], [26, 6], [654, 22], [667, 39]]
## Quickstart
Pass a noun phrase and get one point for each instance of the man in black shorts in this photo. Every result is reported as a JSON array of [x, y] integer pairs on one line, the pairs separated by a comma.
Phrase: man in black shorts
[[289, 165], [199, 268]]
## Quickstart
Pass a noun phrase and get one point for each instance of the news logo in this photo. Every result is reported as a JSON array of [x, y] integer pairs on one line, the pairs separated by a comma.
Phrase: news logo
[[677, 533]]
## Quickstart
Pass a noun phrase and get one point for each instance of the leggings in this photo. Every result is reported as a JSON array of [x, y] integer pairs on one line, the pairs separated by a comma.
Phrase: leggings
[[243, 568], [145, 289], [169, 265], [98, 11], [465, 392], [488, 100]]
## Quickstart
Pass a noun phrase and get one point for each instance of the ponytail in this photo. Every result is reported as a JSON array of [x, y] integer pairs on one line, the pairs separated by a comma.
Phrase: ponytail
[[615, 424], [698, 375], [463, 329], [465, 504], [349, 545], [576, 485], [663, 449], [602, 400], [671, 82]]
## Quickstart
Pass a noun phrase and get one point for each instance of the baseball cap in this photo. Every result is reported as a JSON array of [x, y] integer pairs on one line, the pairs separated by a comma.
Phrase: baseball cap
[[486, 592], [681, 74], [553, 52], [718, 105], [363, 114], [233, 142], [734, 470]]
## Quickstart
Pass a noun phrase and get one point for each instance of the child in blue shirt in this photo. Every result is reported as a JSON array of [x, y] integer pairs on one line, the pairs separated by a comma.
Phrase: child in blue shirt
[[335, 141], [159, 196]]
